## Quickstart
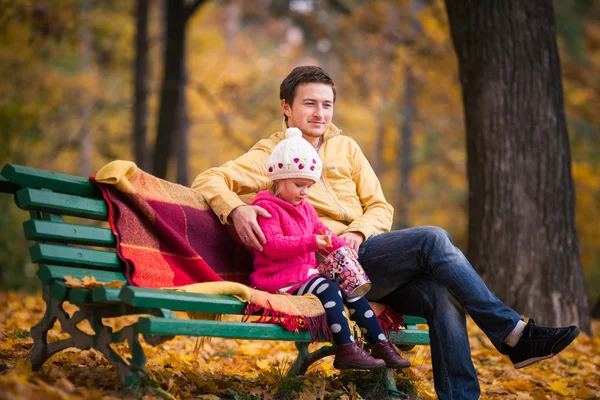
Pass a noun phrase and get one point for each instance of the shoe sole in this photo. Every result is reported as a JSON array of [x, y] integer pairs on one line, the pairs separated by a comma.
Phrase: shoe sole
[[398, 366], [560, 347], [355, 366]]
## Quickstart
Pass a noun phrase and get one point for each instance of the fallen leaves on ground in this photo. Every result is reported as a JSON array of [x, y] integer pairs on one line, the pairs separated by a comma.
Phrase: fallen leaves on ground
[[248, 370]]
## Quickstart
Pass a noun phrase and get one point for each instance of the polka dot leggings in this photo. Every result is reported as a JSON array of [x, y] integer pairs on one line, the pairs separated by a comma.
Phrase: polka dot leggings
[[360, 311]]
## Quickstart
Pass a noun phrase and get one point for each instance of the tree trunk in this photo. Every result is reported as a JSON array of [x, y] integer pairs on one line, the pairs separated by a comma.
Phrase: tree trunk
[[86, 99], [379, 159], [404, 144], [404, 149], [522, 235], [596, 310], [182, 153], [172, 86], [140, 108]]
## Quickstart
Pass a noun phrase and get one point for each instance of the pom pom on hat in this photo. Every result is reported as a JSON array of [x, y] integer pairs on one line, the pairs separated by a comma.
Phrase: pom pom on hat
[[292, 133], [294, 157]]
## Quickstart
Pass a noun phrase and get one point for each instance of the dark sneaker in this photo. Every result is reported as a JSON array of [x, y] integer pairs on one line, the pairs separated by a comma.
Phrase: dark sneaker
[[353, 356], [538, 343]]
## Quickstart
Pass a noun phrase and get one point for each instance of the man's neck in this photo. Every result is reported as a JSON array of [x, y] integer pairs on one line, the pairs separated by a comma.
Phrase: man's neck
[[314, 141]]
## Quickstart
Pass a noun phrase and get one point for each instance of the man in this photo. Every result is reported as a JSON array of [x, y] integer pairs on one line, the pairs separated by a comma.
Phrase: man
[[417, 271]]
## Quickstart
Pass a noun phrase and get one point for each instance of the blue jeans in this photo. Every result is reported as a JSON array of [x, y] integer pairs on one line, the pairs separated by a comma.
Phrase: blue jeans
[[419, 271]]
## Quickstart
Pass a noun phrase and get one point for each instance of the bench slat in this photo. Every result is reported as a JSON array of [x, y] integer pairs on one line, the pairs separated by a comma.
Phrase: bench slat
[[58, 203], [57, 254], [68, 233], [181, 301], [235, 330], [80, 296], [7, 186], [47, 273], [410, 336], [106, 294], [410, 320], [250, 330], [56, 181]]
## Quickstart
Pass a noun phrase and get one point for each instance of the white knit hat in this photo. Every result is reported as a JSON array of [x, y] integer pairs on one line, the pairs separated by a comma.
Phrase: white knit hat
[[294, 157]]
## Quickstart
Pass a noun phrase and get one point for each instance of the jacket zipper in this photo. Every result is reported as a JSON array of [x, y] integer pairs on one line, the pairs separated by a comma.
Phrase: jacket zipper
[[334, 202]]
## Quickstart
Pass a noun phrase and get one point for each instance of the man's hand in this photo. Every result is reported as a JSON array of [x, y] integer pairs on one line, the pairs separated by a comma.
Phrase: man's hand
[[354, 239], [244, 220]]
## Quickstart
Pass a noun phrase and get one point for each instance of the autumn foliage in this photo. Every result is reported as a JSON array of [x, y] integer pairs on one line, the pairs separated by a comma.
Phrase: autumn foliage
[[244, 369]]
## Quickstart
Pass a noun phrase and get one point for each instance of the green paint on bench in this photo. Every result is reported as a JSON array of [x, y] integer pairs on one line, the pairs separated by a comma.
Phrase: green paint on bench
[[55, 181], [410, 320], [64, 204], [64, 255], [234, 330], [80, 296], [36, 229], [106, 294], [48, 273], [410, 336], [181, 301]]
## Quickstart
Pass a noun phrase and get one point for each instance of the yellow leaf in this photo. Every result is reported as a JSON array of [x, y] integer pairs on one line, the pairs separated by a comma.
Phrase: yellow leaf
[[262, 364], [560, 387], [73, 282]]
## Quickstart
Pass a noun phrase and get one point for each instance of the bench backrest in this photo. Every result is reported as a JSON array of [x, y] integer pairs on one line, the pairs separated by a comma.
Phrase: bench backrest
[[65, 222]]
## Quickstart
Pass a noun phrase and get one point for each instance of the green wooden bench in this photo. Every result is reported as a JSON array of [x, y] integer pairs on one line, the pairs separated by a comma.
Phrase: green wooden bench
[[78, 249]]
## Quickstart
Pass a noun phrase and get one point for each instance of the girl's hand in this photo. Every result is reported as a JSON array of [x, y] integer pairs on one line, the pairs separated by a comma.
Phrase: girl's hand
[[322, 241]]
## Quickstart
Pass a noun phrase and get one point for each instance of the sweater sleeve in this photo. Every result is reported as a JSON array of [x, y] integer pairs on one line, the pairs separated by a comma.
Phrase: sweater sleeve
[[222, 186], [280, 246]]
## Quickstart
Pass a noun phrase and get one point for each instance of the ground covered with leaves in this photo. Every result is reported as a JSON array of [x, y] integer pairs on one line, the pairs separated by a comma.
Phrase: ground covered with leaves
[[249, 370]]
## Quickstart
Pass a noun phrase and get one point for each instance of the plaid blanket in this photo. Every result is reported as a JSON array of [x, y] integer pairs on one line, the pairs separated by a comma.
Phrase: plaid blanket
[[166, 233]]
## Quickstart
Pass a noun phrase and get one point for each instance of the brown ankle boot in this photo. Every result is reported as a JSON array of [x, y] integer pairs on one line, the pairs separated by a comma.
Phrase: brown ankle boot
[[353, 356], [388, 353]]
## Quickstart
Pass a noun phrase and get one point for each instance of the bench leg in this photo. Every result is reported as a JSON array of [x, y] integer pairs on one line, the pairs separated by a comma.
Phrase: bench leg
[[385, 376], [306, 358], [42, 350], [132, 372]]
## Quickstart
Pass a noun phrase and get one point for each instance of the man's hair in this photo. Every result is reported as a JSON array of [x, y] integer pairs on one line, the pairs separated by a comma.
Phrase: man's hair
[[300, 76]]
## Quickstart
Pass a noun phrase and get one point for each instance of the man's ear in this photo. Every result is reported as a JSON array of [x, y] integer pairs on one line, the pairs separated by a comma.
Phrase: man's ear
[[286, 107]]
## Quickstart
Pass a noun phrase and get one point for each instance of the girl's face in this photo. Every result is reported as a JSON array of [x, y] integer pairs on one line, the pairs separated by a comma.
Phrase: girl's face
[[294, 190]]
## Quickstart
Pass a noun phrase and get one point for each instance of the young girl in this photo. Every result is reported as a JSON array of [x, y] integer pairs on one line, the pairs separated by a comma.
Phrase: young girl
[[288, 263]]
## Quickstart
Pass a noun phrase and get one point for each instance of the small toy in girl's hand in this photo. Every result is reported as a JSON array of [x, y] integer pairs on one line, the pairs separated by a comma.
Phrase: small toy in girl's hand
[[327, 237]]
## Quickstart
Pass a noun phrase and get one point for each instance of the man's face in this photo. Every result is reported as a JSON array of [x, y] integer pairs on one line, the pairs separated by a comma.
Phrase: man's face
[[311, 110]]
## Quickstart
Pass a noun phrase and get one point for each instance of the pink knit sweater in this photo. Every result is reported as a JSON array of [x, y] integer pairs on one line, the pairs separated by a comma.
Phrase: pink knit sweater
[[291, 243]]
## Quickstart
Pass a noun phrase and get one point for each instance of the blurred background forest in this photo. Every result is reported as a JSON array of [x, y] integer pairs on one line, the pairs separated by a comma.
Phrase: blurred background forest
[[76, 93]]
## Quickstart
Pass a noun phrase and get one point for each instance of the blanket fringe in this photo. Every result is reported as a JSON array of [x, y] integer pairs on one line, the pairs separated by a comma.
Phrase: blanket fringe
[[316, 326], [390, 320]]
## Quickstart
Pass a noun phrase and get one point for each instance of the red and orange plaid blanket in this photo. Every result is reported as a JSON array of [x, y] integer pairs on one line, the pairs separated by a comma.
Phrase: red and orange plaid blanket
[[166, 233], [168, 236]]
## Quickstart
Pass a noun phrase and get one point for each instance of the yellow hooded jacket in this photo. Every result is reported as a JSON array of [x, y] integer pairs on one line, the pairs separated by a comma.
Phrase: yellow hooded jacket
[[348, 197]]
